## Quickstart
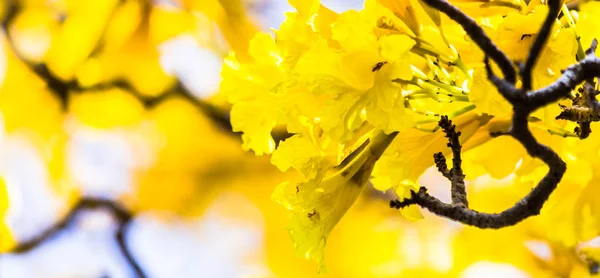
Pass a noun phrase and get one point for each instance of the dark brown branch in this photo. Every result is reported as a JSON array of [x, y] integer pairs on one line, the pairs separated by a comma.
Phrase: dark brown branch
[[120, 214], [530, 205], [539, 43], [509, 217], [523, 105], [477, 34], [507, 89], [397, 204]]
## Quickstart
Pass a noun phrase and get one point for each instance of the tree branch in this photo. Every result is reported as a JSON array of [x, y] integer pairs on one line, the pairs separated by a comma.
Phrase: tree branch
[[57, 86], [571, 77], [61, 89], [509, 217], [539, 43], [120, 214], [523, 105]]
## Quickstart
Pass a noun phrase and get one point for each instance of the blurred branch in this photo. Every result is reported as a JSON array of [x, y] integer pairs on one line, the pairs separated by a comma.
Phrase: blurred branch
[[61, 88], [11, 10], [217, 115], [57, 86], [120, 214]]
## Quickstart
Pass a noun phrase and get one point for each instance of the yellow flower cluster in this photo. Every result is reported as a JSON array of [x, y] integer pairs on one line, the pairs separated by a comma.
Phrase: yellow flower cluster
[[378, 79]]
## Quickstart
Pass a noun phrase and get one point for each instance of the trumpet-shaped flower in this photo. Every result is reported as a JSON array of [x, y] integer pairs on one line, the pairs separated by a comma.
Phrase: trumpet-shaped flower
[[318, 203]]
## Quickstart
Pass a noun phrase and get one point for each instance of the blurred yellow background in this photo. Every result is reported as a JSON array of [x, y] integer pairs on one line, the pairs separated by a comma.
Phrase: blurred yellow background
[[117, 100]]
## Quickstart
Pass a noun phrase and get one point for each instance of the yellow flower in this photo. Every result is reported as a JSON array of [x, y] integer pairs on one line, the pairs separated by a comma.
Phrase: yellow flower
[[358, 77], [318, 203], [247, 87], [398, 7], [320, 69], [302, 154], [497, 157], [485, 95]]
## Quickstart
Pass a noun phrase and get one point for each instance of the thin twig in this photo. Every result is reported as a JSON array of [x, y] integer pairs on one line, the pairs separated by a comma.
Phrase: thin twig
[[457, 177], [539, 43], [440, 163]]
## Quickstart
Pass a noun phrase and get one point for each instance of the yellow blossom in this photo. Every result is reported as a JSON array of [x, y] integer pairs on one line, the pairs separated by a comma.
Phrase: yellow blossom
[[318, 203]]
